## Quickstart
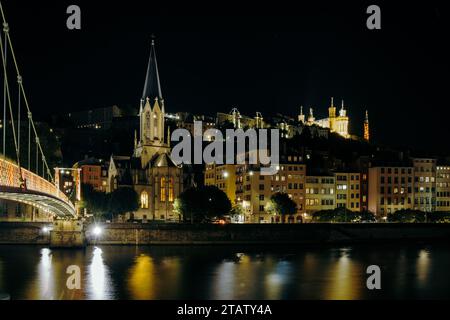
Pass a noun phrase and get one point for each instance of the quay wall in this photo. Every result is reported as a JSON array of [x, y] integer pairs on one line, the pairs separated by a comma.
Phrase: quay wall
[[185, 234]]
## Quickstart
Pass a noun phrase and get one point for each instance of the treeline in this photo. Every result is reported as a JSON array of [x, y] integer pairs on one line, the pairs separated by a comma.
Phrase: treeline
[[401, 216], [108, 205]]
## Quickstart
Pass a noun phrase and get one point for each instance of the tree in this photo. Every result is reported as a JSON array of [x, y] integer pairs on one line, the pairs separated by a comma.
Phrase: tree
[[406, 216], [281, 204], [202, 204], [94, 201], [123, 200], [342, 214], [439, 217], [367, 216], [237, 211]]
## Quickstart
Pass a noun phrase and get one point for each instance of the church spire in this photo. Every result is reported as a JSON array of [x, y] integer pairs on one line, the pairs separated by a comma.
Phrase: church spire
[[301, 116], [152, 86]]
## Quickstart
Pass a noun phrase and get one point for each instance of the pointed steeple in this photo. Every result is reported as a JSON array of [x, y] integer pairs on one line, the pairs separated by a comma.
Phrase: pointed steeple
[[152, 86], [301, 116], [342, 112], [367, 117]]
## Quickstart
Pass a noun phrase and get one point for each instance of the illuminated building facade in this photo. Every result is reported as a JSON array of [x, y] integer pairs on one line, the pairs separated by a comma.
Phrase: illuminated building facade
[[348, 190], [157, 180], [424, 184], [253, 191], [443, 187], [94, 172], [336, 122], [223, 177], [320, 193], [391, 188]]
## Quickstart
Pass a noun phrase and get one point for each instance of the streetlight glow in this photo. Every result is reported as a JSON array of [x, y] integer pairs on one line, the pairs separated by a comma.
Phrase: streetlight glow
[[97, 231]]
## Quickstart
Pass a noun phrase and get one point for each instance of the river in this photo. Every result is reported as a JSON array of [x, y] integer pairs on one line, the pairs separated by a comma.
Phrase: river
[[415, 271]]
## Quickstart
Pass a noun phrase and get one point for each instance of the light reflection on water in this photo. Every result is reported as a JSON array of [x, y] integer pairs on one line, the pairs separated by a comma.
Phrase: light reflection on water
[[29, 272]]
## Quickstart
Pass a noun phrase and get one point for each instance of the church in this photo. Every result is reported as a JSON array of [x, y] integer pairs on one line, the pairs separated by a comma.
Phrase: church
[[150, 170], [335, 122]]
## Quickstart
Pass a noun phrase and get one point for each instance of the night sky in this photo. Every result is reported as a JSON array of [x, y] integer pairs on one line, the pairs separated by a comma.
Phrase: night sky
[[261, 60]]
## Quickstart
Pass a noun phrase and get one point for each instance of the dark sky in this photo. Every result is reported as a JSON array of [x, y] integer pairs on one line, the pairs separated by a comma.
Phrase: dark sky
[[264, 58]]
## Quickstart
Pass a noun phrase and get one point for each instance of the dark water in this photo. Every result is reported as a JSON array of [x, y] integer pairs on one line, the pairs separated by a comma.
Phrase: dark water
[[113, 272]]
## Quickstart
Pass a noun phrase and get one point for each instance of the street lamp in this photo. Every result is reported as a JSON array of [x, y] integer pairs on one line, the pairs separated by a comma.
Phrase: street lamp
[[97, 231]]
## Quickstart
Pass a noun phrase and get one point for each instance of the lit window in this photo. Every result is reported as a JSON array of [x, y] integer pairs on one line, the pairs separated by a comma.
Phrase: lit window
[[144, 200], [162, 189], [170, 189]]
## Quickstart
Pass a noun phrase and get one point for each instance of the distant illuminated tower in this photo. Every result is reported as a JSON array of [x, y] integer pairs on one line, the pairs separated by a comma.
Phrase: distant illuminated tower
[[236, 118], [259, 121], [332, 116], [341, 122], [301, 116], [366, 127], [311, 118]]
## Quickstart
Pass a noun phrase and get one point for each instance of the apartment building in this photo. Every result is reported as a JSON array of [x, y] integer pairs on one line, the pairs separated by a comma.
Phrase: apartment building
[[320, 193], [424, 184], [223, 177], [443, 188], [253, 191], [348, 190], [391, 188]]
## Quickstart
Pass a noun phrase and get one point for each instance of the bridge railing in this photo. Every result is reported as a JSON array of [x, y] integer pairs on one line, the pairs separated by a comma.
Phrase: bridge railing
[[10, 177]]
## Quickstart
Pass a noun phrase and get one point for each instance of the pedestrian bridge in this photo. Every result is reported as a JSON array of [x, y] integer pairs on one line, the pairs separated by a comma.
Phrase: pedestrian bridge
[[32, 190]]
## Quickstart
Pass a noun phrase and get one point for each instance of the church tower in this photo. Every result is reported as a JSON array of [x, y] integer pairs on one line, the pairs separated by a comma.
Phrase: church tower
[[366, 127], [311, 118], [151, 114], [332, 116], [301, 116], [341, 122]]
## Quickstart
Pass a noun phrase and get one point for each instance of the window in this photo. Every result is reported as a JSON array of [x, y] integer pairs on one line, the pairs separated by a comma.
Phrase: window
[[170, 189], [144, 200], [162, 189]]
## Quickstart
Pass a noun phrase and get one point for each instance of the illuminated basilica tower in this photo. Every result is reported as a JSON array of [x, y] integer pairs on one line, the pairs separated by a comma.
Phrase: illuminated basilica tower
[[332, 115], [341, 123]]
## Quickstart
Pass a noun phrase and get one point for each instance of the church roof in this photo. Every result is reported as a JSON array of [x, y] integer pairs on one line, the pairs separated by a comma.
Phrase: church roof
[[161, 161], [152, 86]]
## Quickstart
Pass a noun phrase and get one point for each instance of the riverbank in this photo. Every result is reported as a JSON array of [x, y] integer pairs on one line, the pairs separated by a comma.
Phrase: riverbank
[[270, 234]]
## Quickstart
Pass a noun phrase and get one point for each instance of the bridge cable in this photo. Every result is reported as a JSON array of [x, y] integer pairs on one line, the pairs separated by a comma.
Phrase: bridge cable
[[4, 97], [39, 146], [9, 103]]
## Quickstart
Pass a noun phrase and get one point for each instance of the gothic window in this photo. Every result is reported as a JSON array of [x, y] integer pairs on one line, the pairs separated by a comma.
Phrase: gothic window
[[147, 122], [163, 189], [155, 126], [171, 189], [144, 200]]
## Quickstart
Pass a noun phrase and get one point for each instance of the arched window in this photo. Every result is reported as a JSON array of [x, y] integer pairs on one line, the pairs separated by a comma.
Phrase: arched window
[[162, 189], [171, 189], [144, 200]]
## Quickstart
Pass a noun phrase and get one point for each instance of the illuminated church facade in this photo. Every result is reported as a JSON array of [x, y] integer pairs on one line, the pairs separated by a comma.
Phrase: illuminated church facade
[[150, 171], [336, 122]]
